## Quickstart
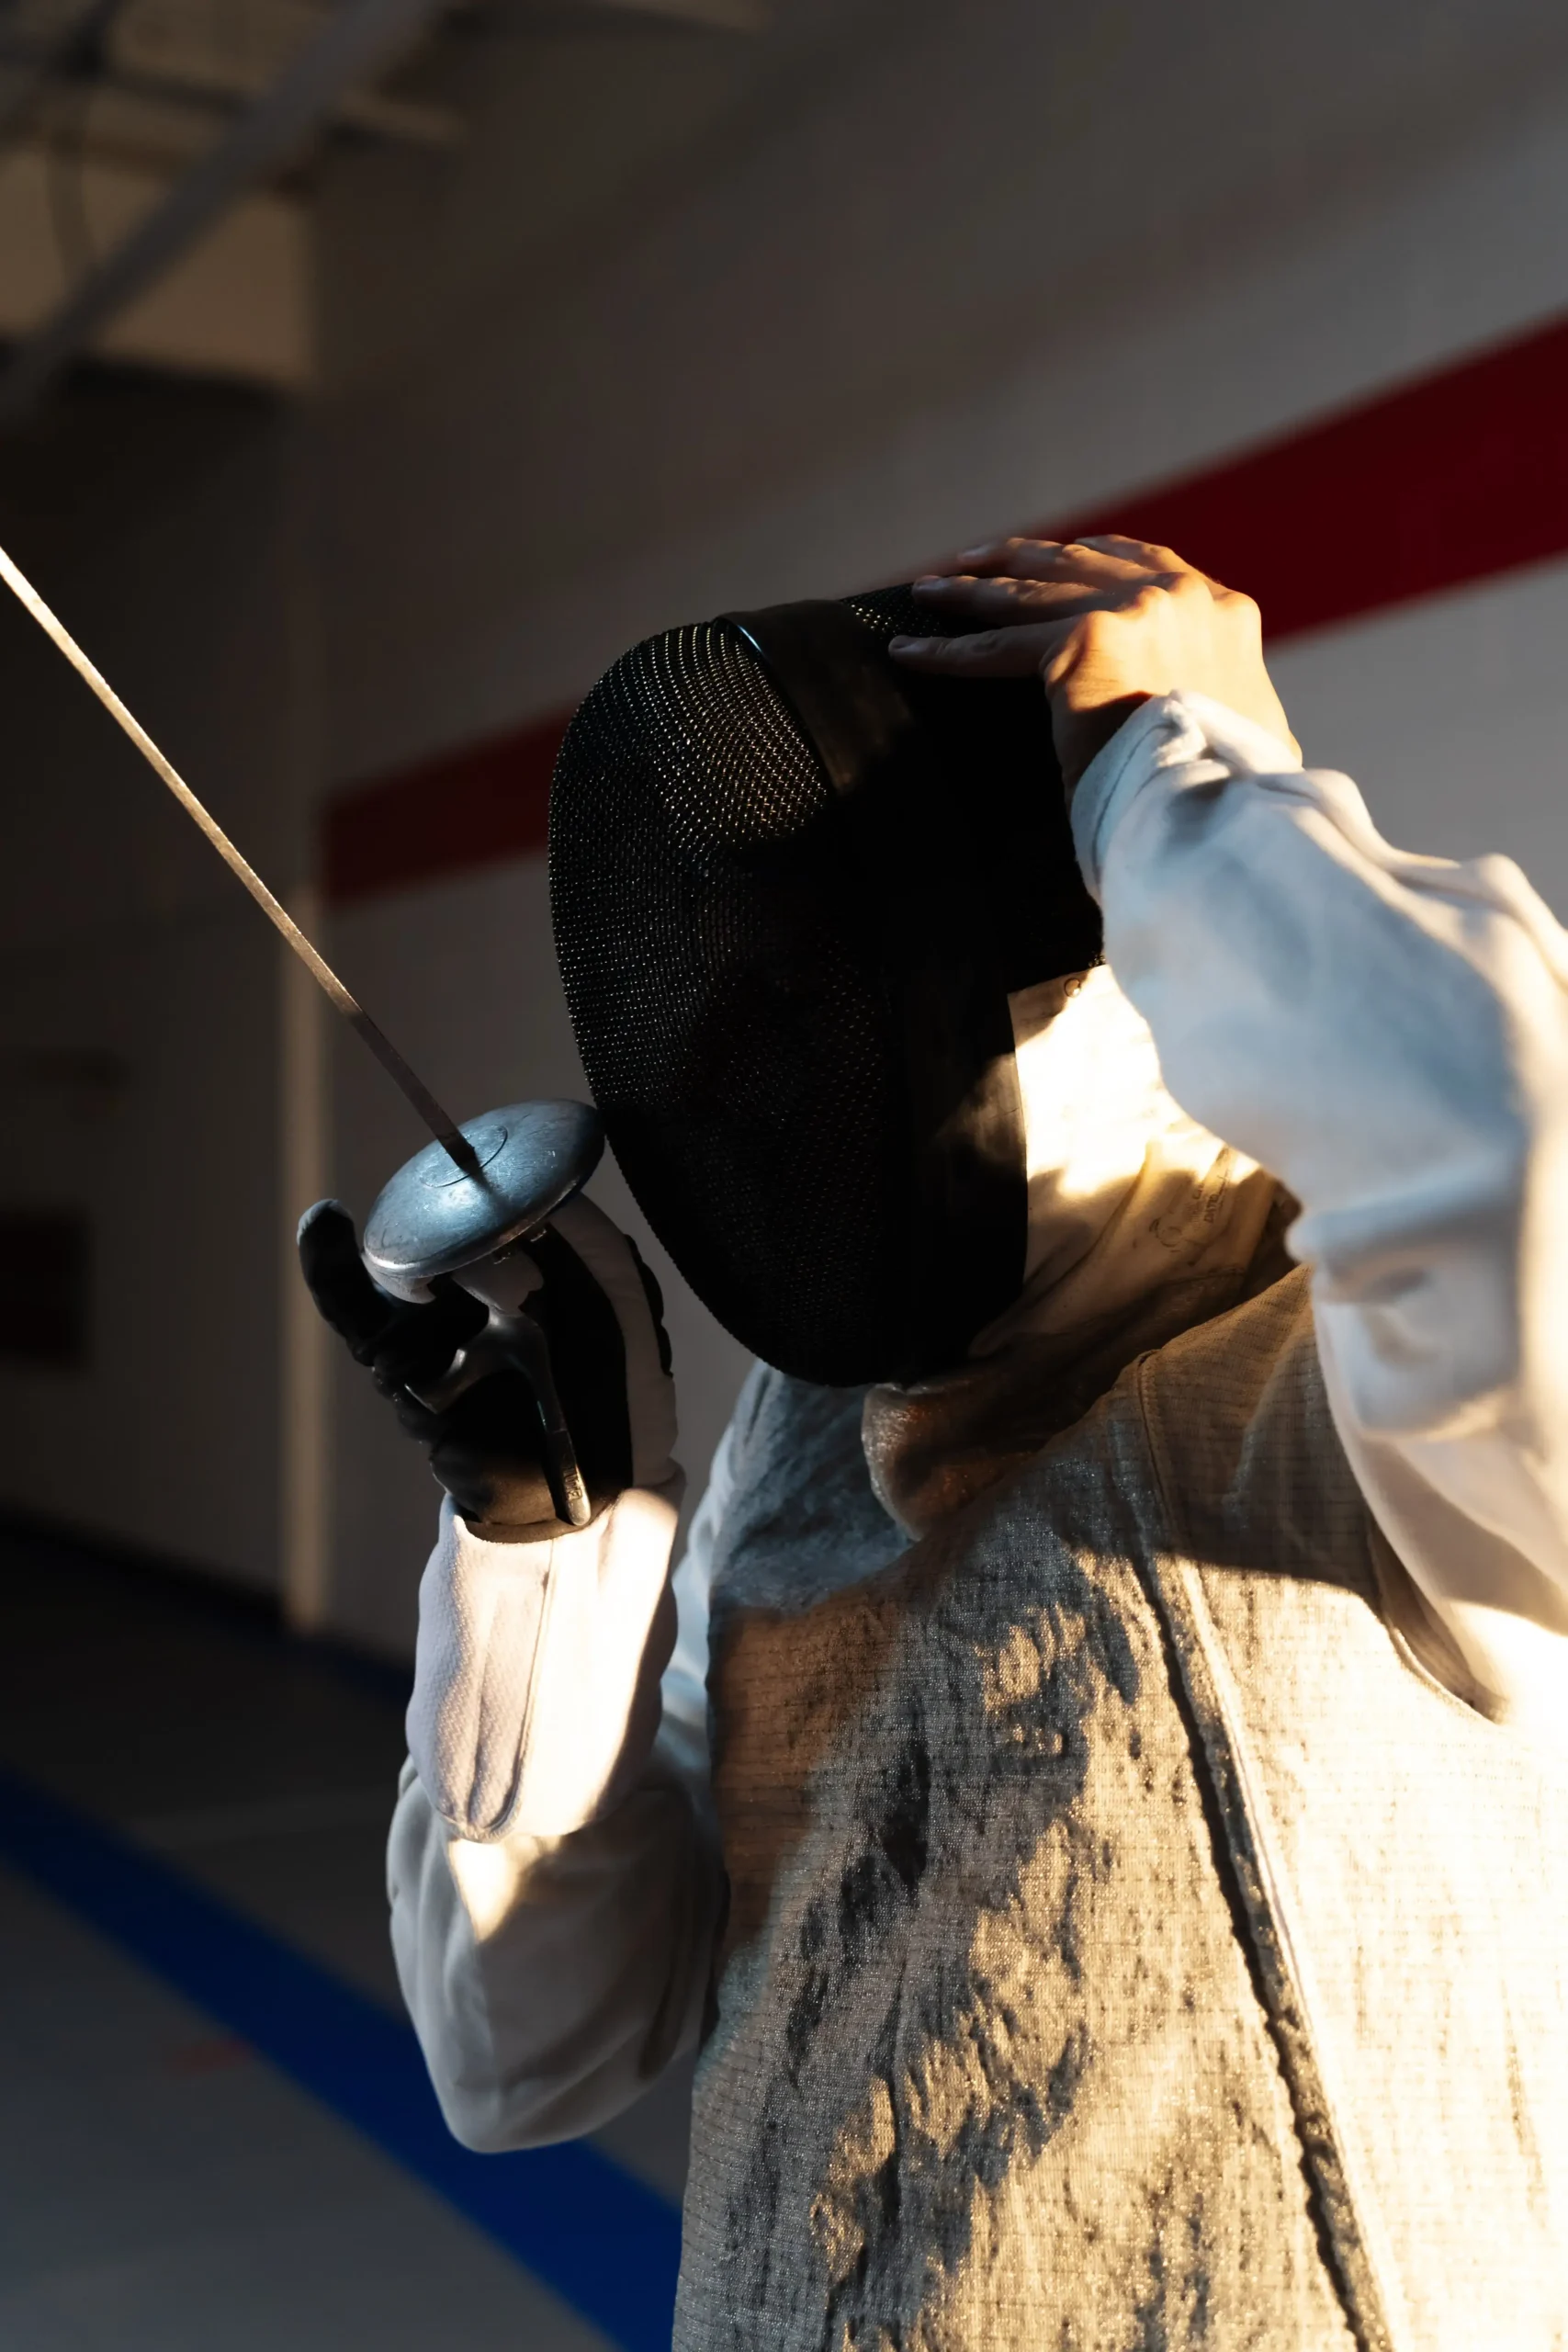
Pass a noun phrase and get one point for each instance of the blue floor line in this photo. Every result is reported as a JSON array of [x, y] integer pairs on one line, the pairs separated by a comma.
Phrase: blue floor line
[[607, 2245]]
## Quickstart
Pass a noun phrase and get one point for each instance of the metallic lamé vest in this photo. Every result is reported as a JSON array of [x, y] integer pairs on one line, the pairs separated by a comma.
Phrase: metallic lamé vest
[[1131, 1945]]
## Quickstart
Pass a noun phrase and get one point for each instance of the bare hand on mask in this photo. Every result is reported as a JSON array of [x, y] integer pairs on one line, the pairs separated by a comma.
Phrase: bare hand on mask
[[1107, 623]]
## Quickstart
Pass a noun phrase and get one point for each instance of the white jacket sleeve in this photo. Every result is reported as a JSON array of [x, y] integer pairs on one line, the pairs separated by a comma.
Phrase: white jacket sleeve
[[554, 1968], [1389, 1034]]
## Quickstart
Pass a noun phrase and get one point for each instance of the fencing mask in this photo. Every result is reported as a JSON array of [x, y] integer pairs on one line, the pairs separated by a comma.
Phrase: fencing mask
[[793, 887]]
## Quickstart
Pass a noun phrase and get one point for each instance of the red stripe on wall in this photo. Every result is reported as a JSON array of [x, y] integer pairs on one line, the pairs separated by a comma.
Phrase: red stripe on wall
[[1455, 478], [475, 807], [1436, 484]]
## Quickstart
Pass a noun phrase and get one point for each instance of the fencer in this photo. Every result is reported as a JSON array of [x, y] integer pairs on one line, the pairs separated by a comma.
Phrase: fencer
[[1097, 1801]]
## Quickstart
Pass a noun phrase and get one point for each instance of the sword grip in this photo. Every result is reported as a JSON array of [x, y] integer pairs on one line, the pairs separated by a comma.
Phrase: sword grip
[[511, 1341]]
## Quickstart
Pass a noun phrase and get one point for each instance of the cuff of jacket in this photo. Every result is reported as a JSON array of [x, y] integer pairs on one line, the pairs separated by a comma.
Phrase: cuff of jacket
[[1184, 730]]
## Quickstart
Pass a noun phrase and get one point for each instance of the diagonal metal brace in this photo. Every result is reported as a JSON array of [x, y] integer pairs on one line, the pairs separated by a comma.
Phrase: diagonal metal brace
[[357, 38]]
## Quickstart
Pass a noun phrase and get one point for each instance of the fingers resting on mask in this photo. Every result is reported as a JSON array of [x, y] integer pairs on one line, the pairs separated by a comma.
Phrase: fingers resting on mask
[[1101, 559], [1106, 622], [1031, 592], [1021, 651]]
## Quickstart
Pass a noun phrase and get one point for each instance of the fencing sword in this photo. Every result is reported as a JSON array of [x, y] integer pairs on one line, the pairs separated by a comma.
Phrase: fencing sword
[[462, 1206]]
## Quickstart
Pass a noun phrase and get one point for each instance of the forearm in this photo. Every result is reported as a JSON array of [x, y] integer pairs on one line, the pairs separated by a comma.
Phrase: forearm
[[1388, 1035], [550, 1980], [1346, 1014], [537, 1667], [549, 1878], [553, 1968]]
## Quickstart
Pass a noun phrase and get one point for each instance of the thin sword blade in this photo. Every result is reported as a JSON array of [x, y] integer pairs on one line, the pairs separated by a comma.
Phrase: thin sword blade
[[440, 1125]]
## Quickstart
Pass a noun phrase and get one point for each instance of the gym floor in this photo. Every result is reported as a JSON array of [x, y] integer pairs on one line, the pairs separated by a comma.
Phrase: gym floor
[[214, 2132]]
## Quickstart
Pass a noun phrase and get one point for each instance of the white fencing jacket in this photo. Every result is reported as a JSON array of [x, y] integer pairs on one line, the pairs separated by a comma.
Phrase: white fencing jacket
[[1387, 1035]]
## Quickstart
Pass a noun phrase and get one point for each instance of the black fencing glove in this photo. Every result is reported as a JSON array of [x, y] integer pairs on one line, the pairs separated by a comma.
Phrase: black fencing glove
[[539, 1382]]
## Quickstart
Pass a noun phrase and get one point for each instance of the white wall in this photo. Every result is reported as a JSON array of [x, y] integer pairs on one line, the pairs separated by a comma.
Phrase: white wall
[[1452, 715], [927, 273], [983, 266]]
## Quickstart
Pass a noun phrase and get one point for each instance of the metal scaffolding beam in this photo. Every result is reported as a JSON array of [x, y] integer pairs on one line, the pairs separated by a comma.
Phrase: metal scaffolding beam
[[357, 38]]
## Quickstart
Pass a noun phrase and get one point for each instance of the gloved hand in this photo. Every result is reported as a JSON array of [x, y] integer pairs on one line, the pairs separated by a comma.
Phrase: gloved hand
[[598, 1311], [536, 1669]]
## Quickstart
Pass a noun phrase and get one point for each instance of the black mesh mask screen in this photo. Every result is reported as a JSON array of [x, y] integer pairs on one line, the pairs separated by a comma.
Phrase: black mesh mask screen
[[790, 1005]]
